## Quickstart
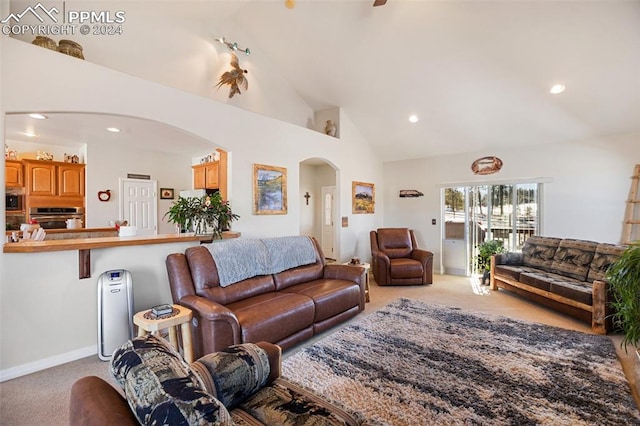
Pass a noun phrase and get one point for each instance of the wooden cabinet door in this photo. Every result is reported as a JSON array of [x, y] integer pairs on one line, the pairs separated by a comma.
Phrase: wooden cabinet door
[[13, 173], [71, 180], [211, 178], [41, 179], [199, 177]]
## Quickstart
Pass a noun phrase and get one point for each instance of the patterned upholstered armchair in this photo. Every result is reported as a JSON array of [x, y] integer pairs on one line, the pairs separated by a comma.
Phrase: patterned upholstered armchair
[[397, 260]]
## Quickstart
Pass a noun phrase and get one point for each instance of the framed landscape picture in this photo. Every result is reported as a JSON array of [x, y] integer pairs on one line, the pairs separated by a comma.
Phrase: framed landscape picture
[[269, 189], [363, 198]]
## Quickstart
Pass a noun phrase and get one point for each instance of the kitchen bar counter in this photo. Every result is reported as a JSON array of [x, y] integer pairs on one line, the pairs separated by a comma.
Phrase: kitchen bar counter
[[99, 242], [84, 245], [64, 234]]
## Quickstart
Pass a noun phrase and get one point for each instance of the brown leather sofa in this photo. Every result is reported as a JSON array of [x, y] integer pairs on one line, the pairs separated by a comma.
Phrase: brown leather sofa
[[397, 260], [94, 402], [285, 308]]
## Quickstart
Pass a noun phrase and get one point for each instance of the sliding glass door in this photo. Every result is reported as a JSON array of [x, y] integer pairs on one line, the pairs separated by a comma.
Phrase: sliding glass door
[[475, 214]]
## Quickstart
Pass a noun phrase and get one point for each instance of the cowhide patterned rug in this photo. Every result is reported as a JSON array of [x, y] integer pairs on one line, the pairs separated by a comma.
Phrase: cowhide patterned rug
[[412, 363]]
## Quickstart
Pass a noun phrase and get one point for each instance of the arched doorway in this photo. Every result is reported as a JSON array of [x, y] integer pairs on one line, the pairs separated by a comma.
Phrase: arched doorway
[[319, 209]]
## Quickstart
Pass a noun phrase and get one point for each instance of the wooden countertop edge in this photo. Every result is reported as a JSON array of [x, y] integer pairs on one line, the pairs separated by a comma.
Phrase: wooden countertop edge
[[70, 231], [96, 243]]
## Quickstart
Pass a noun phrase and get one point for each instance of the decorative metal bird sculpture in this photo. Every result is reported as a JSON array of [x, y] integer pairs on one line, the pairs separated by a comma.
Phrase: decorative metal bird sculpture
[[234, 78]]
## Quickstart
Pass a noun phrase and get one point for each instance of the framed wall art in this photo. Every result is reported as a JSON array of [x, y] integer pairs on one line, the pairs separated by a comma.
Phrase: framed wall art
[[269, 189], [363, 198], [167, 194]]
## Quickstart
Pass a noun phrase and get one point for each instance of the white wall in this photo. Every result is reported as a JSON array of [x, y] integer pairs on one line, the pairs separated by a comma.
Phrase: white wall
[[585, 199]]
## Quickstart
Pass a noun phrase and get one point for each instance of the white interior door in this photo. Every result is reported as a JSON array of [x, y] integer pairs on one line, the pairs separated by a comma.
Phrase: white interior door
[[328, 221], [139, 205]]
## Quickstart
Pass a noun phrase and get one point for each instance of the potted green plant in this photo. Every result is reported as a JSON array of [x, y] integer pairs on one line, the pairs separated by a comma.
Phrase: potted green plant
[[483, 258], [208, 214], [624, 278]]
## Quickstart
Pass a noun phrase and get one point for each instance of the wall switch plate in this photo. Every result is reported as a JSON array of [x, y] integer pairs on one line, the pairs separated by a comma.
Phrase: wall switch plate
[[433, 221]]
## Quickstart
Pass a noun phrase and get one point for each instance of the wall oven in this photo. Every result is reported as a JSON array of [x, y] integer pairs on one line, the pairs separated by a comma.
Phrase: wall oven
[[55, 217]]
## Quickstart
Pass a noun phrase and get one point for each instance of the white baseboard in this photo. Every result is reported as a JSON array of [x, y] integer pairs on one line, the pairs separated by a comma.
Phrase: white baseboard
[[42, 364]]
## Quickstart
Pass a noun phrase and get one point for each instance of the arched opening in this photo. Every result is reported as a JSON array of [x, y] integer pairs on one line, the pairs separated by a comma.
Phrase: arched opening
[[320, 204]]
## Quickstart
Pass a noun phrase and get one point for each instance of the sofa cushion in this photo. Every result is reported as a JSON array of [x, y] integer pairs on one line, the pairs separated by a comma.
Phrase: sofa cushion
[[559, 284], [512, 271], [274, 316], [284, 403], [235, 373], [578, 291], [573, 258], [605, 255], [405, 268], [539, 279], [538, 251], [330, 296], [395, 242], [161, 388]]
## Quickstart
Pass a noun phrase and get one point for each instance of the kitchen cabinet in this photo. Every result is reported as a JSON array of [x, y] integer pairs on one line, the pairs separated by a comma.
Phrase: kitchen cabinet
[[205, 176], [53, 184], [41, 178], [71, 180], [212, 175], [51, 178], [13, 175]]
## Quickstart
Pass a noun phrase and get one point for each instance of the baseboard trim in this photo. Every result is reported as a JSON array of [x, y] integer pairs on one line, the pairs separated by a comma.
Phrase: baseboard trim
[[42, 364]]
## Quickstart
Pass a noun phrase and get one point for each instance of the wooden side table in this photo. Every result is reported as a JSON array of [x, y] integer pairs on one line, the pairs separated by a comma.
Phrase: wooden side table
[[366, 267], [181, 318]]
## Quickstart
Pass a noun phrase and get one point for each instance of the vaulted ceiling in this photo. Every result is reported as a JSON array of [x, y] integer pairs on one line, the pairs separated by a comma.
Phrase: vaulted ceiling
[[476, 73]]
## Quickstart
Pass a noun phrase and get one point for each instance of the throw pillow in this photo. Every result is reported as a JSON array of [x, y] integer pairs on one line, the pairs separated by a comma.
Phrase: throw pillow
[[234, 374], [160, 387]]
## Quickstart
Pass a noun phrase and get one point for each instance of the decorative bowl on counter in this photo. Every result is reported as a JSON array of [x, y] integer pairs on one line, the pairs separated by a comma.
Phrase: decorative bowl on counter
[[29, 227]]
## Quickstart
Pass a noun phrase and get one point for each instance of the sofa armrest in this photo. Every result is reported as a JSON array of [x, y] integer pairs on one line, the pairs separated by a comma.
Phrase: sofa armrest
[[511, 258], [215, 325], [421, 255], [94, 402], [274, 352]]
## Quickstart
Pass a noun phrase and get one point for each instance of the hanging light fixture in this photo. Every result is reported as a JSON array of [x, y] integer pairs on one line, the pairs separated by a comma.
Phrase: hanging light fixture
[[233, 46]]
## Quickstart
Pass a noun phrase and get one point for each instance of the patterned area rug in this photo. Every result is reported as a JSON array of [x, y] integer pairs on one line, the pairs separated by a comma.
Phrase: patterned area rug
[[412, 363]]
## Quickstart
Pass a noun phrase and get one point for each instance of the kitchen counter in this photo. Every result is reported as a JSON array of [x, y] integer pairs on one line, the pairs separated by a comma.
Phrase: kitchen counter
[[65, 234], [98, 242], [85, 245]]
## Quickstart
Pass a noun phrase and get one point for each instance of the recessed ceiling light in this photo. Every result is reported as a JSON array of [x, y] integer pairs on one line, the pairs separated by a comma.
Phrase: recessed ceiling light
[[557, 88], [30, 134], [113, 129], [413, 118], [38, 116]]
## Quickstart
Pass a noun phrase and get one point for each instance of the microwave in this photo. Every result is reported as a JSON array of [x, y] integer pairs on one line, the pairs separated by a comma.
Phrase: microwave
[[13, 202]]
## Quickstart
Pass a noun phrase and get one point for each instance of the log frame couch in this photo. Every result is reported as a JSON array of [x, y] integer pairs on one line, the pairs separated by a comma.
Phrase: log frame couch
[[284, 307], [567, 275]]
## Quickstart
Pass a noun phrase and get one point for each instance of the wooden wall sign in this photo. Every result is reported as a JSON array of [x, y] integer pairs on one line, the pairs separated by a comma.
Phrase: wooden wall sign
[[486, 165]]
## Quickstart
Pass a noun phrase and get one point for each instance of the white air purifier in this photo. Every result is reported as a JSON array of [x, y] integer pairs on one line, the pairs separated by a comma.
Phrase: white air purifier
[[115, 311]]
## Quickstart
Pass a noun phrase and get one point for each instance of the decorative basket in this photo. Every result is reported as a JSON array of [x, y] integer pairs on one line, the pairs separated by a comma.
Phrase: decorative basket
[[43, 41], [70, 48]]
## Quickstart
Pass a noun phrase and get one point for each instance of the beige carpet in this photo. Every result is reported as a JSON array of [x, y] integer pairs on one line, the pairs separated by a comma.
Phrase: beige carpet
[[43, 398]]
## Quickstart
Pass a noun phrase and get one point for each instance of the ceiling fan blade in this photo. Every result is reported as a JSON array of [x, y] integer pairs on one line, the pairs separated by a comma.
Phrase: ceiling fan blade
[[379, 3]]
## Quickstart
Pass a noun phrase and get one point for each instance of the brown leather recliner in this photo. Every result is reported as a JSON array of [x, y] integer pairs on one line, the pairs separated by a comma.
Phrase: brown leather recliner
[[397, 260]]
